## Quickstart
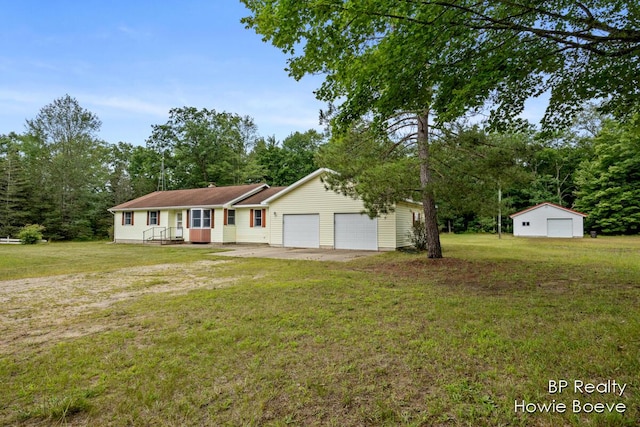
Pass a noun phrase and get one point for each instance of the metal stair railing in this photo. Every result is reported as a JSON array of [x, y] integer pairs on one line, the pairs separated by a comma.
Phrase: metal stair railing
[[152, 234], [163, 235]]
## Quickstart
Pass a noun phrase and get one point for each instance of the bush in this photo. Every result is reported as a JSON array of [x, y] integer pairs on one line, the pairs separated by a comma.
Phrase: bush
[[418, 235], [31, 234]]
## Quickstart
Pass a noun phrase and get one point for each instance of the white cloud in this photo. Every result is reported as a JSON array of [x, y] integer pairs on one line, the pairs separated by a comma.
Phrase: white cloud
[[129, 104]]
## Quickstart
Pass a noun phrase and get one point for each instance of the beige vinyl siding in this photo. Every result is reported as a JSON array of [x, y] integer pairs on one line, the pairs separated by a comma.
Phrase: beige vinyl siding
[[404, 222], [217, 232], [312, 198], [229, 234], [387, 232], [131, 233], [135, 232], [247, 234]]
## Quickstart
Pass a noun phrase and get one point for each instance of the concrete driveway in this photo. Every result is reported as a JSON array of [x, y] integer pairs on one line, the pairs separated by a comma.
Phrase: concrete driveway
[[243, 251]]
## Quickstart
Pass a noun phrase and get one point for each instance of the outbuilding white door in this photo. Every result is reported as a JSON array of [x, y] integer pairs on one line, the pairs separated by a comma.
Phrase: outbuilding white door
[[559, 227], [355, 231], [301, 231]]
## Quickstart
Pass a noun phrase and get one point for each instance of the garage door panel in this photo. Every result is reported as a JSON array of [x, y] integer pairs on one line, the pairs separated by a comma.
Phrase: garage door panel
[[301, 231], [355, 231], [559, 227]]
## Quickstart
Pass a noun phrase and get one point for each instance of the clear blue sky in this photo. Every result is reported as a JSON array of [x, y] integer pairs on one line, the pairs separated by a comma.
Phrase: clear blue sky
[[130, 61]]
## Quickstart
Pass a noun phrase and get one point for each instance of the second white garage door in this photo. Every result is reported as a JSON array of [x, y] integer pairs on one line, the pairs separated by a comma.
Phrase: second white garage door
[[355, 231], [301, 231]]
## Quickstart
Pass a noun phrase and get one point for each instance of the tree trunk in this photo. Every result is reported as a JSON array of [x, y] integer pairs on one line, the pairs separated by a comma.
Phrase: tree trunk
[[434, 250]]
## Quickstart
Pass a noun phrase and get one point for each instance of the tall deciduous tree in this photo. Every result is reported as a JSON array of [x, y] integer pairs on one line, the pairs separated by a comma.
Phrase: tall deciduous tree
[[69, 162], [450, 57], [367, 67], [284, 164], [204, 146], [473, 52]]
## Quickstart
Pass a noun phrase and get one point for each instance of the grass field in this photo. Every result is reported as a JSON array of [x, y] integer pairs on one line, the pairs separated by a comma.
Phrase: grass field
[[97, 334]]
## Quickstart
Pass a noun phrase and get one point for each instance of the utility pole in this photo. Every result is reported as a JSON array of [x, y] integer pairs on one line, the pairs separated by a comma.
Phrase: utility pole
[[499, 211]]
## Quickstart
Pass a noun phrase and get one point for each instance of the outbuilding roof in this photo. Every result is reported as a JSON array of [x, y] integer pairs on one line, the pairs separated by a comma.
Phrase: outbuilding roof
[[546, 204], [213, 196]]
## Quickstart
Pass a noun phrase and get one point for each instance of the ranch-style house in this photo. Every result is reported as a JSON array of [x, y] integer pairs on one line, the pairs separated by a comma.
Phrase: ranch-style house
[[303, 215]]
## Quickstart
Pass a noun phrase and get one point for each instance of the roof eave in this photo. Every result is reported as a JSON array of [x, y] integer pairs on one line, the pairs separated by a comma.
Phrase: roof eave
[[253, 205], [159, 208]]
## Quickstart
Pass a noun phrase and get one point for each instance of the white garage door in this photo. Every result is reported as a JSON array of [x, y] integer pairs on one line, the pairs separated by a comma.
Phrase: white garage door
[[355, 231], [559, 227], [301, 231]]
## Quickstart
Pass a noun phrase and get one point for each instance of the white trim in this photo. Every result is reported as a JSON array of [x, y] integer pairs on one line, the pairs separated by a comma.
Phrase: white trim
[[201, 219]]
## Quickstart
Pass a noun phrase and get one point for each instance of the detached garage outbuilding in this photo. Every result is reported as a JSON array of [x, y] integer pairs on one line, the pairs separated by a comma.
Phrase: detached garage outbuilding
[[548, 220]]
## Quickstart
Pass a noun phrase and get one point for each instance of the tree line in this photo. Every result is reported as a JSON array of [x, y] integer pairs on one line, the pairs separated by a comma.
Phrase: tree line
[[59, 174], [592, 166]]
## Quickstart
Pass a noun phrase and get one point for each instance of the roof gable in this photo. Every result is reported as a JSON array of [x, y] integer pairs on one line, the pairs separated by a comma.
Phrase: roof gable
[[299, 183], [553, 205], [215, 196]]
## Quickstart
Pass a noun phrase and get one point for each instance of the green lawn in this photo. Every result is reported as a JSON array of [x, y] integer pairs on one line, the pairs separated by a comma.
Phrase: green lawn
[[395, 339]]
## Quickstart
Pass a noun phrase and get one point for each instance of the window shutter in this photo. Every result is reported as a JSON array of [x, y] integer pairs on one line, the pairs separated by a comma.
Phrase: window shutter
[[213, 218], [158, 218], [226, 217], [122, 218], [251, 218], [133, 215], [264, 218], [188, 218], [147, 217]]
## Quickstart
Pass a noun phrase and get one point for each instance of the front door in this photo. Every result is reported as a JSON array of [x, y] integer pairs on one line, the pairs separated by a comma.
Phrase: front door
[[179, 224]]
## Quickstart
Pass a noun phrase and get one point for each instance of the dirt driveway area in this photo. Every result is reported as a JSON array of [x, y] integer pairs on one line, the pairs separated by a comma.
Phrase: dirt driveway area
[[242, 251], [46, 309]]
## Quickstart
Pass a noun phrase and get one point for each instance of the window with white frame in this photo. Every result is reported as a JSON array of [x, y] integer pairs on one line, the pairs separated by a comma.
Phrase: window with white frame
[[231, 217], [200, 218], [154, 218], [257, 218], [526, 223]]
